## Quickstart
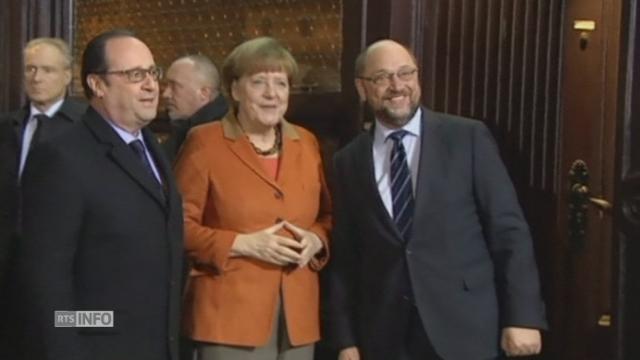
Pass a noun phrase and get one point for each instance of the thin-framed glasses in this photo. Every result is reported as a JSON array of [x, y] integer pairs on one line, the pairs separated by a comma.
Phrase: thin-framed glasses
[[137, 75], [384, 78]]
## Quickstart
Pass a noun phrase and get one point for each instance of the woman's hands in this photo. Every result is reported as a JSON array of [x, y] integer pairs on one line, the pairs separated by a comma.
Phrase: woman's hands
[[267, 246], [310, 243]]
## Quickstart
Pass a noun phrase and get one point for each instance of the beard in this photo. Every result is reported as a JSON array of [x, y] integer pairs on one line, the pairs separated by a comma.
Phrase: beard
[[398, 117]]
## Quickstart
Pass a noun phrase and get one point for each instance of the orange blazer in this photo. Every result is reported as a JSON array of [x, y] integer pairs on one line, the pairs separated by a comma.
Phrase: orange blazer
[[226, 191]]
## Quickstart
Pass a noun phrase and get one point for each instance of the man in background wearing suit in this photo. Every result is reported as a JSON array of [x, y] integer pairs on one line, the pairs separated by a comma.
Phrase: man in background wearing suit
[[192, 95], [432, 258], [102, 219], [47, 74]]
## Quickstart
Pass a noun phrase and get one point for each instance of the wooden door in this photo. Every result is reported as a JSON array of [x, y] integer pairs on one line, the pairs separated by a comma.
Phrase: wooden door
[[552, 95], [584, 308]]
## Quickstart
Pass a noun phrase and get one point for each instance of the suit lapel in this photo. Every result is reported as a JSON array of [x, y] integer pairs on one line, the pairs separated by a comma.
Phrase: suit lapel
[[241, 148], [70, 111], [162, 164], [123, 156], [432, 164], [18, 121], [290, 156], [380, 211], [243, 151]]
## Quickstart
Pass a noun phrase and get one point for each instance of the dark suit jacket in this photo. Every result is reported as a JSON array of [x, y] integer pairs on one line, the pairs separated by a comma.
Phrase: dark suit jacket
[[470, 260], [8, 197], [11, 127], [100, 235], [212, 111]]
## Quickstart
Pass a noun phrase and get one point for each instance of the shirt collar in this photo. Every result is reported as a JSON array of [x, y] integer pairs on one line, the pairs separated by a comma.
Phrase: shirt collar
[[381, 131], [126, 136], [52, 110]]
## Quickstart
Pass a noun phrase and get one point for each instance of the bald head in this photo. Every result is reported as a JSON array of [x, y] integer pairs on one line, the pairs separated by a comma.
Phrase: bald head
[[192, 82], [204, 69], [380, 46], [386, 78]]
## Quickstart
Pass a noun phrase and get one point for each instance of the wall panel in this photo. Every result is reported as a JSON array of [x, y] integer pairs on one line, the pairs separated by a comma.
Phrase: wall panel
[[497, 61]]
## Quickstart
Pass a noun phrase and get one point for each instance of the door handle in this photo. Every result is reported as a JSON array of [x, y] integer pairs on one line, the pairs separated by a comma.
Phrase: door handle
[[579, 199], [600, 203]]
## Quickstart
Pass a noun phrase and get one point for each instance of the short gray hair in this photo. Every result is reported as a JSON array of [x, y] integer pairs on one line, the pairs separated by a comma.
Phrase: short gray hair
[[57, 43]]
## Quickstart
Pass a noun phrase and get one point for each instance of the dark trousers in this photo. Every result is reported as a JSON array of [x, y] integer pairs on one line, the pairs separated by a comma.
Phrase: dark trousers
[[11, 315], [417, 343]]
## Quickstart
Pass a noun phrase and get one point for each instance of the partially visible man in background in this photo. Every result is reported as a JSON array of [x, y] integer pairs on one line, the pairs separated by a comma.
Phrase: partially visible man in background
[[47, 74], [192, 96]]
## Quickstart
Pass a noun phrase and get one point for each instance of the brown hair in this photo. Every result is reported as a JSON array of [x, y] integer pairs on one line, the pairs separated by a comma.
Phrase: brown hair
[[257, 55]]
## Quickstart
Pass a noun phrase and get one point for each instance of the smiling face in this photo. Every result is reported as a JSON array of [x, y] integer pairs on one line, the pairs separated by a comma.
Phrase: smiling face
[[262, 98], [46, 75], [395, 102], [131, 105]]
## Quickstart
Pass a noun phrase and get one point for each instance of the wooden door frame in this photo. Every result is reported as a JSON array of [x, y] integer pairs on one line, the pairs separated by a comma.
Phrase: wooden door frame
[[593, 267], [628, 189]]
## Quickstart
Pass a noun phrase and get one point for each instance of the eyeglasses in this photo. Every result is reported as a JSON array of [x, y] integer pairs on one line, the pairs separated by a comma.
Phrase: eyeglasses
[[137, 75], [384, 78]]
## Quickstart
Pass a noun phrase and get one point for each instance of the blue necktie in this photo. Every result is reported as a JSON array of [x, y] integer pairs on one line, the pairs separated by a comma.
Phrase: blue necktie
[[401, 189], [139, 149]]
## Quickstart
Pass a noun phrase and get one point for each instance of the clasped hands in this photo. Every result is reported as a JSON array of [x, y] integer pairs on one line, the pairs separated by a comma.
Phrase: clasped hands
[[268, 246]]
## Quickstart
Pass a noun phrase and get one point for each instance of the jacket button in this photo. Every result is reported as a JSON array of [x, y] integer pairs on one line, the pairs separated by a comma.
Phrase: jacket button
[[278, 220]]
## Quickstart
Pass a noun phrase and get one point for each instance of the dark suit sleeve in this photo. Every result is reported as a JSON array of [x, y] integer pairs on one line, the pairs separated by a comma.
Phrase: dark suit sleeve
[[340, 277], [52, 216], [507, 235], [8, 204]]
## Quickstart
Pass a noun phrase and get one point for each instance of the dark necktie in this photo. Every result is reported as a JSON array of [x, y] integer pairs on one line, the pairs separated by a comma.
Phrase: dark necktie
[[138, 148], [40, 119], [401, 189]]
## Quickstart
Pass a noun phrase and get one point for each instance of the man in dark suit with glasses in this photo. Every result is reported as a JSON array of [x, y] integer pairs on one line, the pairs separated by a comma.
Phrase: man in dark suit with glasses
[[431, 255], [103, 220]]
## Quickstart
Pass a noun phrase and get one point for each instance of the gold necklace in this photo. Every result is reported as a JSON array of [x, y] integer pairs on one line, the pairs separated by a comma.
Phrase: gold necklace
[[277, 144]]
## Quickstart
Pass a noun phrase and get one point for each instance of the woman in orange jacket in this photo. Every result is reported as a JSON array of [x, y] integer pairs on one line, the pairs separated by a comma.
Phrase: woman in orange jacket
[[257, 218]]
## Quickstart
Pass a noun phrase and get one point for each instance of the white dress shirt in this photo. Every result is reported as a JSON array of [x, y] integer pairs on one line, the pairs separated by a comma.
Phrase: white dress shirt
[[382, 146], [30, 129]]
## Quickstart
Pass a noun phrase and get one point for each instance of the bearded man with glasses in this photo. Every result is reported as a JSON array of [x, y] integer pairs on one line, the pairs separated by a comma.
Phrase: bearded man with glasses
[[103, 219], [431, 255]]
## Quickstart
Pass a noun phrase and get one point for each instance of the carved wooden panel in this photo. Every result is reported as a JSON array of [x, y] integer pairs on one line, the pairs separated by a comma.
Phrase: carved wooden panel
[[312, 29]]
